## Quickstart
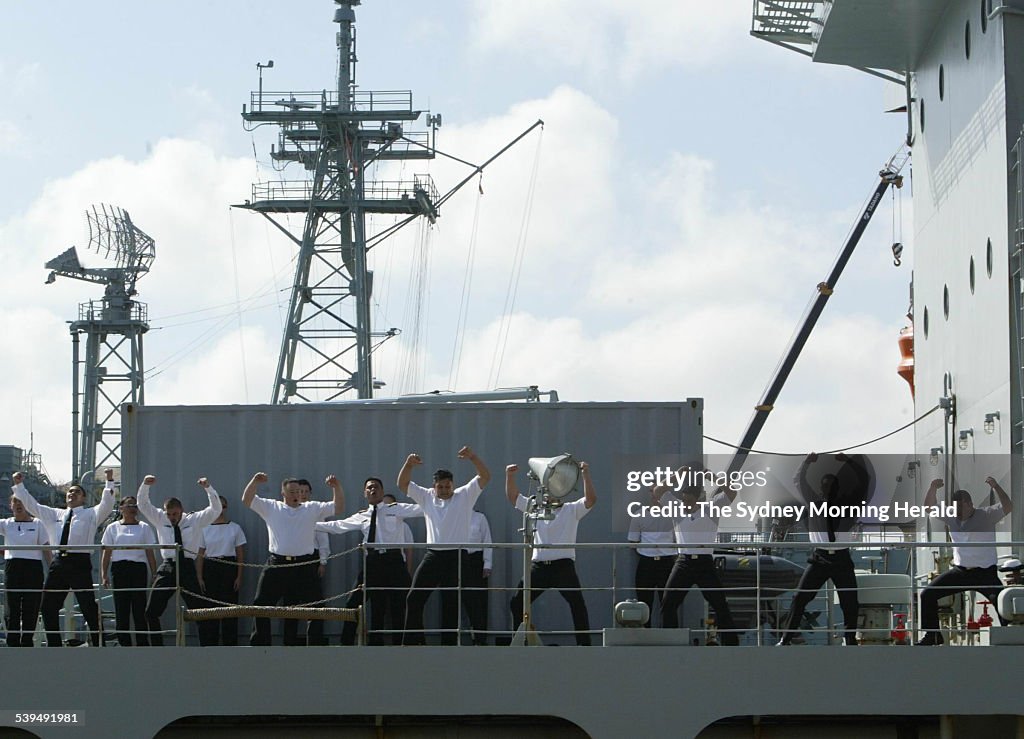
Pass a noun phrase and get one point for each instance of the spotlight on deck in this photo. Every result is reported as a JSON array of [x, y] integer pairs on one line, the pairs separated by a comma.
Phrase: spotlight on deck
[[556, 477]]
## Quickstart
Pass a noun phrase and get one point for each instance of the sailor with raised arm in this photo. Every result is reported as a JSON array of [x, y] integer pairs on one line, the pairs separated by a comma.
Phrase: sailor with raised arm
[[291, 575], [697, 524], [448, 511], [71, 567], [832, 531], [175, 527], [555, 567], [974, 568]]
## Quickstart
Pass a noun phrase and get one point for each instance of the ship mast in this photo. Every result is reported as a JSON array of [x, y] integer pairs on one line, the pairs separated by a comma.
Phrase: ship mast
[[336, 136]]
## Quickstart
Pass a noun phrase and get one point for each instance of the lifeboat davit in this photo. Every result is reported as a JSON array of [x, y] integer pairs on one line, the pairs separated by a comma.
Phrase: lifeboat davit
[[905, 368]]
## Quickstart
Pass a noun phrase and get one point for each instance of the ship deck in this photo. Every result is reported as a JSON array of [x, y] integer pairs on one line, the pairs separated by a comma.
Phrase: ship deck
[[605, 692]]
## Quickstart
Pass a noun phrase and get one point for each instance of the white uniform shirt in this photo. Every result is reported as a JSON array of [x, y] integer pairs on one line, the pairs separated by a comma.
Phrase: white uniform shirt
[[290, 530], [658, 533], [407, 537], [121, 534], [560, 530], [84, 522], [389, 523], [191, 524], [480, 533], [981, 527], [699, 527], [447, 520], [220, 539], [23, 533]]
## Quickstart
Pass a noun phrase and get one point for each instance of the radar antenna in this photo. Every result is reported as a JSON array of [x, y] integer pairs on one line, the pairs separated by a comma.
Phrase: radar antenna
[[111, 372]]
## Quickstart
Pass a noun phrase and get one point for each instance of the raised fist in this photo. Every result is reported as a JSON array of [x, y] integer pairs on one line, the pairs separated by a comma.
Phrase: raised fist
[[413, 460], [18, 478], [332, 482], [466, 453], [109, 474], [260, 477], [203, 482], [149, 480], [512, 468]]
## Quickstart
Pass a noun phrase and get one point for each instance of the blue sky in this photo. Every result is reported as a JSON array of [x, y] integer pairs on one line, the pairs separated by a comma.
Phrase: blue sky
[[693, 185]]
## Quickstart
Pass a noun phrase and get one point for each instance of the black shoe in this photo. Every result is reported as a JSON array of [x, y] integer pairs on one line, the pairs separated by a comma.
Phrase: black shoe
[[784, 642], [931, 639]]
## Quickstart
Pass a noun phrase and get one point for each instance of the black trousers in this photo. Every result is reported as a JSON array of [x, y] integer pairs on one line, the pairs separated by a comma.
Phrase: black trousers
[[387, 586], [289, 586], [650, 580], [71, 571], [219, 576], [474, 595], [130, 605], [559, 574], [163, 590], [23, 581], [821, 566], [439, 569], [697, 569], [984, 580], [315, 630]]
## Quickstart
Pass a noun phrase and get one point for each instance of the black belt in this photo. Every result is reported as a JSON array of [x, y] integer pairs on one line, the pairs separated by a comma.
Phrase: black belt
[[654, 559], [552, 561], [695, 556], [385, 552], [65, 555], [295, 558], [827, 550]]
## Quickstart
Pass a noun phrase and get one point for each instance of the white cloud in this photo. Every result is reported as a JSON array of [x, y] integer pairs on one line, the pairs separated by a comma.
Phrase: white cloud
[[12, 139], [614, 38]]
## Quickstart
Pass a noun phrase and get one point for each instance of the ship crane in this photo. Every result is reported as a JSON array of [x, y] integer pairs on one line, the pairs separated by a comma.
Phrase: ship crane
[[890, 175]]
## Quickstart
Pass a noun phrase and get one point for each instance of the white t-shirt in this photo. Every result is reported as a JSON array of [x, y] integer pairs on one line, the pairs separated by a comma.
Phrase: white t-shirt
[[447, 520], [290, 530], [657, 532], [191, 524], [980, 527], [700, 526], [220, 539], [23, 533], [480, 533], [121, 534], [560, 530]]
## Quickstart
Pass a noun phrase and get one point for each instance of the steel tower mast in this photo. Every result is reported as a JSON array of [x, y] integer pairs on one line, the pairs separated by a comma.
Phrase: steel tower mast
[[111, 373], [336, 135]]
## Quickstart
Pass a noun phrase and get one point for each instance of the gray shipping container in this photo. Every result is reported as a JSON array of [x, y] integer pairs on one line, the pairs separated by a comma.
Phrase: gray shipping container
[[228, 444]]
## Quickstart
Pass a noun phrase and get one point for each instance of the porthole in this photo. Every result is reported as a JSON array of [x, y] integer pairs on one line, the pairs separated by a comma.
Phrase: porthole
[[971, 275], [942, 83], [967, 40], [988, 257], [920, 106], [945, 301], [984, 16], [925, 322]]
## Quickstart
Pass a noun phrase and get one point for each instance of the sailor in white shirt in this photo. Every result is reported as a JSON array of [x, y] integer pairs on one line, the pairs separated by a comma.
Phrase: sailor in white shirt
[[386, 577], [175, 527], [974, 568], [71, 568], [291, 572], [555, 568], [831, 560], [407, 538], [476, 575], [447, 511], [696, 565], [131, 576], [23, 574], [315, 630], [655, 557], [219, 567]]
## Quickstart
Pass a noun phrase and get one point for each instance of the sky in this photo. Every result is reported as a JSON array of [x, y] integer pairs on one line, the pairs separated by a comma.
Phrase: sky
[[690, 187]]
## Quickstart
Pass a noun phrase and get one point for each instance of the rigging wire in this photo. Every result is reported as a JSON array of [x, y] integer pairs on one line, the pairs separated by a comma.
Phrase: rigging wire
[[505, 326], [830, 451], [467, 286], [238, 303]]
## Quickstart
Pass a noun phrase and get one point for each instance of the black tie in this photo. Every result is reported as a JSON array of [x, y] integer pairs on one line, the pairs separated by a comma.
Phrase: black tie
[[371, 536], [177, 540], [67, 527]]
